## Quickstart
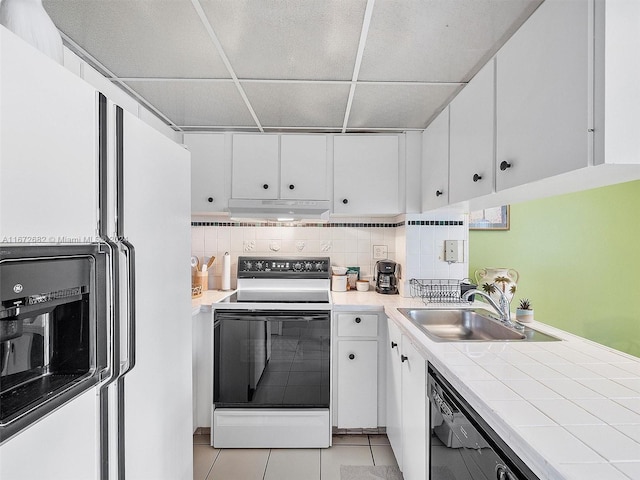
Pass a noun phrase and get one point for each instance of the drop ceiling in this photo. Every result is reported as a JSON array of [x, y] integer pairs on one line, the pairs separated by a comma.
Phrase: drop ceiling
[[290, 65]]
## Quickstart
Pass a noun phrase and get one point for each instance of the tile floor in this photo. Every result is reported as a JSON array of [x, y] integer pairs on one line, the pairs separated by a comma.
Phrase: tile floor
[[289, 464]]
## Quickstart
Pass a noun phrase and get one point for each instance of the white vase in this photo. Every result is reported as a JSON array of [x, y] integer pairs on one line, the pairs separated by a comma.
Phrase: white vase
[[504, 279], [524, 316], [29, 20]]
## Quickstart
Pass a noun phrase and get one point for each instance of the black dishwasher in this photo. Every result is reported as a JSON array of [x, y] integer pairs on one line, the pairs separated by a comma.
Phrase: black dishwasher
[[462, 446]]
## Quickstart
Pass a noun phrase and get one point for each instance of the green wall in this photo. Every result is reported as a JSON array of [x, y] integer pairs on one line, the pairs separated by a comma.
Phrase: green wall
[[578, 256]]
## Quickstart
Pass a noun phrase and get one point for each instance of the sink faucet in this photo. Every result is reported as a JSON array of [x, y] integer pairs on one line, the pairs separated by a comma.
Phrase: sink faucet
[[503, 309]]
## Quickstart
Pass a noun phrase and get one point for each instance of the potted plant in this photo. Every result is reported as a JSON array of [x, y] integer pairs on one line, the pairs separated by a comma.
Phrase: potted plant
[[524, 312]]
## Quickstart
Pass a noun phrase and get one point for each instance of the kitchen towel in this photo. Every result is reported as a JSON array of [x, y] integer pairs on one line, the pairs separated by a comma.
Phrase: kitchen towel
[[379, 472], [226, 271]]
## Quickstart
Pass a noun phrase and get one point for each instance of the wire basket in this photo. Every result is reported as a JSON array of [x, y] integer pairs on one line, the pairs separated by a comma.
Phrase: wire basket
[[439, 290]]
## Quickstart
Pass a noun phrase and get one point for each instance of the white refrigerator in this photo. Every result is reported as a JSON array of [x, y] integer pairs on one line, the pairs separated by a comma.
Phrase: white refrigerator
[[74, 167]]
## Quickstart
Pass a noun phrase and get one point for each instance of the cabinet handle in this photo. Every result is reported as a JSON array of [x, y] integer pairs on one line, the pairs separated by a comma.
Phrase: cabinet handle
[[265, 186], [210, 199], [358, 319], [476, 177], [504, 165], [438, 193], [292, 186], [345, 201], [394, 344], [403, 358], [351, 356]]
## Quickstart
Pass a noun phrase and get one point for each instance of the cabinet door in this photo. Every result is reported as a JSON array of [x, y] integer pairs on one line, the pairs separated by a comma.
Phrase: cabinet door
[[357, 325], [255, 170], [357, 384], [48, 148], [435, 163], [394, 390], [365, 174], [542, 95], [303, 165], [472, 138], [210, 176], [414, 413]]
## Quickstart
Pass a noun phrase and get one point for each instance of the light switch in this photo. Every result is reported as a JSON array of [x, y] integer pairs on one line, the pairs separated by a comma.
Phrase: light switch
[[453, 251]]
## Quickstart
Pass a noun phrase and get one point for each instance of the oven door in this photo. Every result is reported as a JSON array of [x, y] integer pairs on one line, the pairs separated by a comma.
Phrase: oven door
[[272, 358]]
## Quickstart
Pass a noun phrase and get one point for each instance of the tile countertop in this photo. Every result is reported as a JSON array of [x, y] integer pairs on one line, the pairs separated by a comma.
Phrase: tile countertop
[[569, 409]]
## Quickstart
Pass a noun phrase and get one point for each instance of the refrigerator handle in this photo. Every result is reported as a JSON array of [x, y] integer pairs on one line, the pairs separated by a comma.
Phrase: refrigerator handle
[[130, 253]]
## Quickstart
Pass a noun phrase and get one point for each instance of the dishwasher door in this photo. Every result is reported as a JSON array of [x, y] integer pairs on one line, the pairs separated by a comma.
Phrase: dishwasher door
[[462, 445]]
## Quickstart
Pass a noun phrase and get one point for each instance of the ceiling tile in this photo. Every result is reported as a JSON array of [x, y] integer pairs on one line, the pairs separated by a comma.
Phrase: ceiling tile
[[196, 103], [397, 106], [288, 39], [437, 40], [140, 38], [317, 105]]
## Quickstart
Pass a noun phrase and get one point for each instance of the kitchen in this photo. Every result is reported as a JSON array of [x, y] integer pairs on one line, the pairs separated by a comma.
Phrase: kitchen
[[350, 239]]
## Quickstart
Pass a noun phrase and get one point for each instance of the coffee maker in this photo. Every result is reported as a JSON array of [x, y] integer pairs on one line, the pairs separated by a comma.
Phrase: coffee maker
[[387, 277]]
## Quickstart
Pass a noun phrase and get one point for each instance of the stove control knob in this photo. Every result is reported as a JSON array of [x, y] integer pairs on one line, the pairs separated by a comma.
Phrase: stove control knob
[[320, 266], [297, 267], [259, 265], [247, 266], [308, 266]]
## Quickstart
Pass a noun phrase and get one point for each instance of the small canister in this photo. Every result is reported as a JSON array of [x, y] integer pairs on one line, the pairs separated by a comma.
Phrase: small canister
[[339, 283]]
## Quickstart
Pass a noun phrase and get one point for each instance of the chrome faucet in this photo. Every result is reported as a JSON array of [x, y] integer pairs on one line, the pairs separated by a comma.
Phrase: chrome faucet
[[503, 309]]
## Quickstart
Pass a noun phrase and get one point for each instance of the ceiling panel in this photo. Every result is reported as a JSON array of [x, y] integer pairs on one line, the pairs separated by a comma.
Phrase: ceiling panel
[[437, 40], [196, 103], [397, 106], [288, 39], [317, 105], [140, 38]]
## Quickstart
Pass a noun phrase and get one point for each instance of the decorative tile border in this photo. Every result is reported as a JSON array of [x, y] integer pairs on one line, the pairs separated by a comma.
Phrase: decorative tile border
[[435, 223]]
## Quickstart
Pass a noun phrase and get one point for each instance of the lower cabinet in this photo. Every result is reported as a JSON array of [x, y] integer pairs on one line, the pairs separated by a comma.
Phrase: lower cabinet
[[407, 419], [359, 370], [202, 344]]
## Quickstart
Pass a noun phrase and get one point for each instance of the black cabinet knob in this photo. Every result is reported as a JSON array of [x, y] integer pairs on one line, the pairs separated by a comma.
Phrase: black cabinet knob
[[504, 165], [351, 356], [358, 319], [476, 177], [292, 186], [394, 344], [404, 358], [265, 186], [210, 199], [438, 193], [345, 201]]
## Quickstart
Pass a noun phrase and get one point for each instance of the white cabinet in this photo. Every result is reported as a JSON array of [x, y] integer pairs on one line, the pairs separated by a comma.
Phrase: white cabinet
[[292, 167], [49, 125], [407, 419], [472, 128], [303, 164], [255, 166], [210, 175], [365, 174], [435, 163], [360, 373], [542, 99], [202, 369]]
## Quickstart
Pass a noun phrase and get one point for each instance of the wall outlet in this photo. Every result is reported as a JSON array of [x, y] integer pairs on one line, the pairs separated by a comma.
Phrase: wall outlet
[[453, 251], [380, 252]]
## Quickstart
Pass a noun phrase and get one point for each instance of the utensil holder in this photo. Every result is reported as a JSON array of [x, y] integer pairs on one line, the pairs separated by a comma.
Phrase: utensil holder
[[201, 279]]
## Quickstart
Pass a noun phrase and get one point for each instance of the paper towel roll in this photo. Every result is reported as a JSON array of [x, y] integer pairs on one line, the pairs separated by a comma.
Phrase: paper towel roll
[[226, 271]]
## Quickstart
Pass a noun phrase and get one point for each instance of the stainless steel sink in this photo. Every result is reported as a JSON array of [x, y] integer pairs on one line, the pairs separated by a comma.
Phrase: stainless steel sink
[[461, 325]]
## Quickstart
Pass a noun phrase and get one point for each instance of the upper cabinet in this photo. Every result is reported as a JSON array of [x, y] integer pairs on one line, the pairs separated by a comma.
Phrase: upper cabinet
[[472, 152], [210, 187], [542, 103], [255, 166], [435, 163], [365, 174], [269, 166], [303, 164]]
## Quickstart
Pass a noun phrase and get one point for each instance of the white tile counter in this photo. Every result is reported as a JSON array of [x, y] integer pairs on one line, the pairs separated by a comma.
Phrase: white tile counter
[[208, 297], [569, 409]]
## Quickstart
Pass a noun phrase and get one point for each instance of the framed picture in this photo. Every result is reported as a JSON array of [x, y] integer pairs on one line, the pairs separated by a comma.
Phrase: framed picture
[[496, 218]]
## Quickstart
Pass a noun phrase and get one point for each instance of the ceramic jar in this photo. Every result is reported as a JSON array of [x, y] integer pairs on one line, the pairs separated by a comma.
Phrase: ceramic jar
[[505, 279]]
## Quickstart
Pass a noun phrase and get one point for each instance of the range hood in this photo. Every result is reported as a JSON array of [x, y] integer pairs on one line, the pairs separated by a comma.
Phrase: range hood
[[279, 210]]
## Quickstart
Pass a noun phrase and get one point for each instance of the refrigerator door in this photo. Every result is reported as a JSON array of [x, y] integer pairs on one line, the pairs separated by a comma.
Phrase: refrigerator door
[[156, 394]]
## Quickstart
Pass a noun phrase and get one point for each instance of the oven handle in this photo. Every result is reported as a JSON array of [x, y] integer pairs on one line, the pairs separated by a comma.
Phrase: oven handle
[[271, 317]]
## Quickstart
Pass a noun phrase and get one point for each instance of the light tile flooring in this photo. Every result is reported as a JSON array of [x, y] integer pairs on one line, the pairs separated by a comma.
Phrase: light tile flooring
[[289, 464]]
